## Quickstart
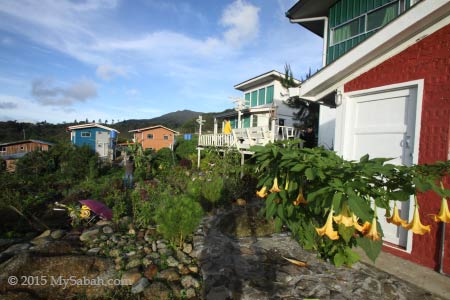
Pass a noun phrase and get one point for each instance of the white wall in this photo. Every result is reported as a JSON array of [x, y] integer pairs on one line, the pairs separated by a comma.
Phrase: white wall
[[327, 127]]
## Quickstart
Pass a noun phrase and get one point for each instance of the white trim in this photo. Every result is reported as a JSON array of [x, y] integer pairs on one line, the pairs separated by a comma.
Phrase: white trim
[[90, 125], [153, 127], [340, 129], [425, 18], [273, 75]]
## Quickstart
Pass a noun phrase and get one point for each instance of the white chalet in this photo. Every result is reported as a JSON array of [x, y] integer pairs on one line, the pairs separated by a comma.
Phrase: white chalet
[[260, 117]]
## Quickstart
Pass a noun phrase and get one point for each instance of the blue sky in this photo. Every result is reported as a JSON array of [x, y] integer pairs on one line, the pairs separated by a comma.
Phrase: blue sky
[[62, 60]]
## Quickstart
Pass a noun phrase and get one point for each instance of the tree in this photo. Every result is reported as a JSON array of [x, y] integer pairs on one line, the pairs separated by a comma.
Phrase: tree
[[308, 112]]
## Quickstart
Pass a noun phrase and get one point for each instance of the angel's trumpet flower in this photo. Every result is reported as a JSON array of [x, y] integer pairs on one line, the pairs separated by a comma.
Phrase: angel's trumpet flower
[[373, 233], [300, 198], [262, 193], [327, 229], [444, 213], [416, 226], [395, 218], [344, 217], [275, 188]]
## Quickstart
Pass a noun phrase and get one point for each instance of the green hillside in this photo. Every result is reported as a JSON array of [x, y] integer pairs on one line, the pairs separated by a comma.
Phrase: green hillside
[[182, 121]]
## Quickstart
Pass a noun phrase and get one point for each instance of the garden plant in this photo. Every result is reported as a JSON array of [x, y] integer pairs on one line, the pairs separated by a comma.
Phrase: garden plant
[[330, 204]]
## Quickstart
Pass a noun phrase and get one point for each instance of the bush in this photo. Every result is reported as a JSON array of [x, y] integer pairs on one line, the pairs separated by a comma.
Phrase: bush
[[177, 217], [185, 148]]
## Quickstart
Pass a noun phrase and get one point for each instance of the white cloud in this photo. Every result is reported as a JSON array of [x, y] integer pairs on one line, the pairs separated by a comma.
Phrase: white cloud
[[243, 20], [132, 92], [46, 93], [107, 72]]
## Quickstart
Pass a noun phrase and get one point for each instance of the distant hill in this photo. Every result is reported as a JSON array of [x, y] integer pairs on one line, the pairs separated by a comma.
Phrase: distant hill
[[181, 120]]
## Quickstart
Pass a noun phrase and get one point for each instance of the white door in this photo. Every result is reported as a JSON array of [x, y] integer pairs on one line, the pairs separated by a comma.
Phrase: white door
[[382, 125], [102, 141]]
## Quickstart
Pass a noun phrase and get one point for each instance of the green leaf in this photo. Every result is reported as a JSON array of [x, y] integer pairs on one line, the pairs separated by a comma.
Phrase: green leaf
[[278, 224], [298, 168], [339, 259], [312, 196], [370, 247], [290, 211], [280, 212], [337, 197], [310, 174], [364, 158], [360, 207], [346, 232]]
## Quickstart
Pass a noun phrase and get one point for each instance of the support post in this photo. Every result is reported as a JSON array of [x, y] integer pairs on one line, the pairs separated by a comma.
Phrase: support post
[[198, 157], [242, 164]]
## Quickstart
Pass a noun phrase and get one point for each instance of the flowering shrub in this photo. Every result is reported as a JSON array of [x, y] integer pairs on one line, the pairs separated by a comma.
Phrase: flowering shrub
[[330, 204]]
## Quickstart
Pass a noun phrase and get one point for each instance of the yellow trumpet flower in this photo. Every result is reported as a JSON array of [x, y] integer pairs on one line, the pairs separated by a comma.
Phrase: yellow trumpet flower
[[275, 188], [344, 217], [395, 218], [444, 213], [262, 193], [327, 229], [416, 226], [373, 233], [364, 228], [300, 198]]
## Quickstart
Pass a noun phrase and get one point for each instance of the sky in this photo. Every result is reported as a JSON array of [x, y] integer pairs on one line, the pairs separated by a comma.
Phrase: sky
[[66, 60]]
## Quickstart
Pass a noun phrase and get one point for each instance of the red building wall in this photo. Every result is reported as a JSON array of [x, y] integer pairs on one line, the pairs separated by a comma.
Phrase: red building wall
[[428, 59]]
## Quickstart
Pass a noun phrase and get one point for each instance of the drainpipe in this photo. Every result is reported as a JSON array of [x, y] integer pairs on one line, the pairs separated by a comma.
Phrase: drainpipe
[[325, 34], [441, 255]]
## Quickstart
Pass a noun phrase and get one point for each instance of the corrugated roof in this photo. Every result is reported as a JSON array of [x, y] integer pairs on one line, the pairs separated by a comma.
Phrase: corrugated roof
[[153, 127], [27, 141], [90, 125]]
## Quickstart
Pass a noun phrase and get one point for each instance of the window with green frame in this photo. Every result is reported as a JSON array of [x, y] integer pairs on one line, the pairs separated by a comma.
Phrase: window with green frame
[[262, 96], [254, 98], [247, 99], [366, 22], [269, 96]]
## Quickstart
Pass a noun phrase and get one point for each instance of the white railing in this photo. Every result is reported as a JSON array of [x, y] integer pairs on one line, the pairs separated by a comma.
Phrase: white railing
[[244, 138]]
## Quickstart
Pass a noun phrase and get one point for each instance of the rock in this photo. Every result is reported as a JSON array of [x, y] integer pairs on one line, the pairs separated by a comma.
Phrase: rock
[[63, 266], [93, 251], [17, 248], [160, 245], [193, 268], [182, 257], [89, 235], [146, 261], [187, 248], [147, 250], [151, 271], [57, 234], [130, 277], [154, 248], [219, 292], [190, 293], [107, 230], [154, 255], [114, 252], [131, 253], [44, 234], [189, 281], [131, 231], [165, 251], [169, 275], [157, 291], [140, 235], [57, 247], [183, 270], [133, 263], [172, 262], [139, 286], [176, 290], [103, 223], [41, 240], [241, 202]]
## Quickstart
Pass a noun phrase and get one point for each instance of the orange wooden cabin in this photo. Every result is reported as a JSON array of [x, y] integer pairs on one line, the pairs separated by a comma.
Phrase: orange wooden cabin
[[155, 137], [15, 150]]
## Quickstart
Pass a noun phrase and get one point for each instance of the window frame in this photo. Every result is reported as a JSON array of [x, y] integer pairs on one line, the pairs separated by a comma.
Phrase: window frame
[[165, 137], [85, 134], [150, 136], [400, 9]]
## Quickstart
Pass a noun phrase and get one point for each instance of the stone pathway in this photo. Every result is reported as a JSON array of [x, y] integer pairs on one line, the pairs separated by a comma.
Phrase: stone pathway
[[251, 266]]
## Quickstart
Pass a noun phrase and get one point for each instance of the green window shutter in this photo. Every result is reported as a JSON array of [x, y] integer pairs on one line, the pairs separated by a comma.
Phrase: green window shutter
[[233, 123], [247, 99], [262, 96], [269, 97], [254, 98]]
